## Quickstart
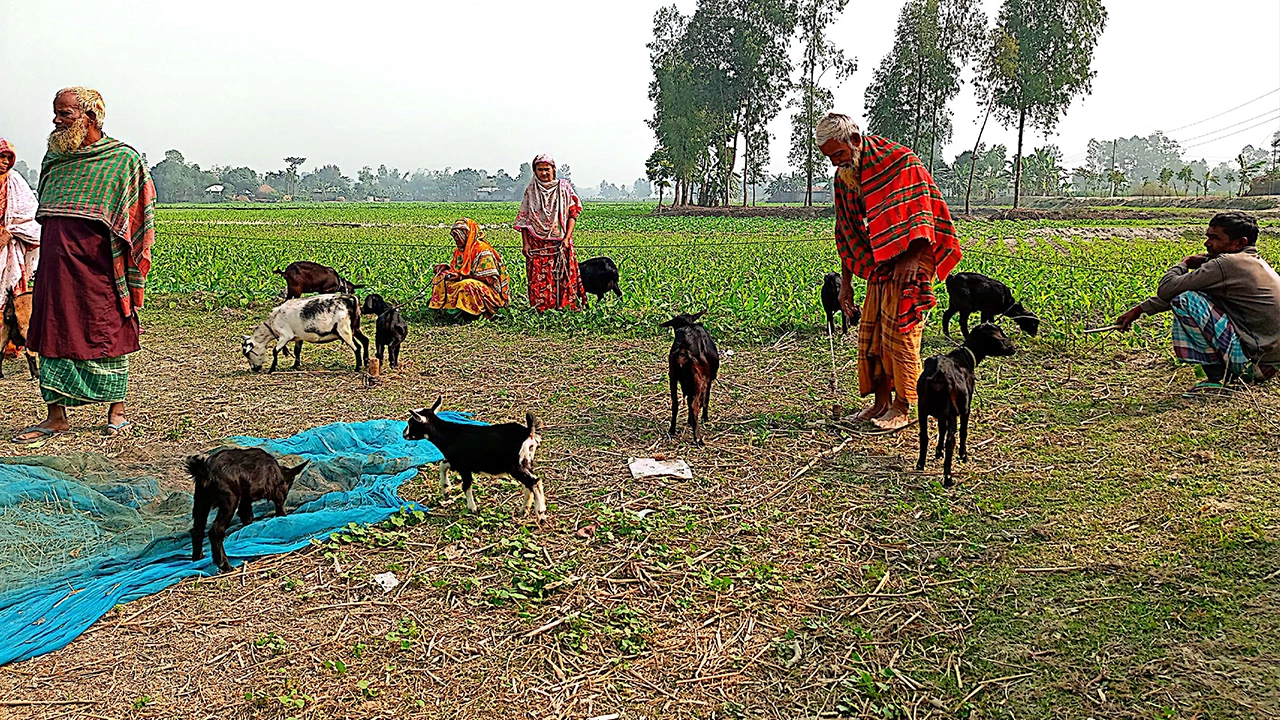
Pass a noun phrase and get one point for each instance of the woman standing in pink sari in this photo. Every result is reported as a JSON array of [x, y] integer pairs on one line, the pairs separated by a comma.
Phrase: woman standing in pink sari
[[547, 215]]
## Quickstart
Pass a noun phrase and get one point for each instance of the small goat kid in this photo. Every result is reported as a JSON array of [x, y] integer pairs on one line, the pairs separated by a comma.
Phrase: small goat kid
[[390, 330], [692, 364], [599, 276], [970, 292], [305, 276], [505, 449], [945, 390], [231, 480], [320, 319], [831, 305]]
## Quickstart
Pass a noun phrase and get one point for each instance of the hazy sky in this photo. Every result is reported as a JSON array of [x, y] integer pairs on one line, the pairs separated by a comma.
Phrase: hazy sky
[[489, 84]]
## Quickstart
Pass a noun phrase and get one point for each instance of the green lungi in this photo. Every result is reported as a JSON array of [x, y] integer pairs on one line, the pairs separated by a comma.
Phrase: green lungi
[[71, 383]]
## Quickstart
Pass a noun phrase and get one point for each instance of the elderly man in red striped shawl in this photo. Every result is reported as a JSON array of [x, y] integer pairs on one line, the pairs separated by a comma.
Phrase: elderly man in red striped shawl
[[97, 217], [894, 231]]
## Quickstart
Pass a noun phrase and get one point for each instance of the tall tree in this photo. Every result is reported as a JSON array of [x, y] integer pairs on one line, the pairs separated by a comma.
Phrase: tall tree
[[819, 56], [1054, 42], [292, 172], [907, 100]]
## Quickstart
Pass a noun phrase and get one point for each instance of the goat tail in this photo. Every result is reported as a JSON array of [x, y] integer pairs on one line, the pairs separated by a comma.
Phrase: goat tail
[[198, 466], [279, 272]]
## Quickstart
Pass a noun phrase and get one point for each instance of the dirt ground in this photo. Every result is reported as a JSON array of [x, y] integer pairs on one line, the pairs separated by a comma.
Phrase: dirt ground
[[1110, 550]]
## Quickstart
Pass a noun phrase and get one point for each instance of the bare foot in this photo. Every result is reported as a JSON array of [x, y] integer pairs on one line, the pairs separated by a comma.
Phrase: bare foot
[[895, 419], [870, 413]]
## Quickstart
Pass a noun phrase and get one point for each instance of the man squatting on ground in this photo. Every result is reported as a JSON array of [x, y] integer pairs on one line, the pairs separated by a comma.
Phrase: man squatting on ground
[[1226, 306], [97, 217], [894, 231]]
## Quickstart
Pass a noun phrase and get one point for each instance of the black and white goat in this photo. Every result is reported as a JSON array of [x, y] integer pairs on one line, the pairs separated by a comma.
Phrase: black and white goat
[[232, 479], [319, 319], [970, 292], [692, 364], [390, 330], [505, 449], [945, 390]]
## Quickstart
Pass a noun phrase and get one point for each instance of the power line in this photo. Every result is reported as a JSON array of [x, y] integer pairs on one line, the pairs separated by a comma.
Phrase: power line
[[1230, 134], [1228, 127], [1224, 112]]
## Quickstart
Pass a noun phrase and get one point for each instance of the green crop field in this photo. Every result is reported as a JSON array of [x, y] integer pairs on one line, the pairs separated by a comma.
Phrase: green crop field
[[757, 275]]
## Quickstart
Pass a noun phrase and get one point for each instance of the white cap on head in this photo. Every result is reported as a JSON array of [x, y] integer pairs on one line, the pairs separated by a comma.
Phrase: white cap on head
[[834, 126]]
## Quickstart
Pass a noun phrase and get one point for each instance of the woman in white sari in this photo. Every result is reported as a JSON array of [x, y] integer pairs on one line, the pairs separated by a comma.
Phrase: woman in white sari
[[19, 232]]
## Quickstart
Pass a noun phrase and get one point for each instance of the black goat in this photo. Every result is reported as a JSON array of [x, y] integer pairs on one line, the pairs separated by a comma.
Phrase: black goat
[[692, 364], [831, 305], [505, 449], [599, 276], [391, 328], [232, 479], [970, 293], [945, 390]]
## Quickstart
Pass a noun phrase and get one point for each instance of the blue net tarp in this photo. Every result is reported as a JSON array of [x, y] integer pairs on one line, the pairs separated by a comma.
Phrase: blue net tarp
[[76, 538]]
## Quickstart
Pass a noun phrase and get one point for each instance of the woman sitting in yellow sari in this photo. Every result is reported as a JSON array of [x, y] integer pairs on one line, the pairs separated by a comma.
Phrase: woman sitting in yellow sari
[[475, 282]]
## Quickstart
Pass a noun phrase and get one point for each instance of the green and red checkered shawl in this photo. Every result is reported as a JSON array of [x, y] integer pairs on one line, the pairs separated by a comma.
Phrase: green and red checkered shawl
[[890, 203], [107, 181]]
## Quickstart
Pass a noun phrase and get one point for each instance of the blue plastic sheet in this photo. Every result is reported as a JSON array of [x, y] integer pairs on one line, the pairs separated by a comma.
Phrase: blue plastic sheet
[[76, 540]]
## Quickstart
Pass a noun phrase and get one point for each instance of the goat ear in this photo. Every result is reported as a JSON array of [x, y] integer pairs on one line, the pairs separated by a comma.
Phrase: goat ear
[[419, 415], [694, 317], [669, 323], [297, 469], [436, 407]]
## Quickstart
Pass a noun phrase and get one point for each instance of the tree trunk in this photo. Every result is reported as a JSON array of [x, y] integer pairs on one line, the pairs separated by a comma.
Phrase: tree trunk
[[973, 159], [1017, 161]]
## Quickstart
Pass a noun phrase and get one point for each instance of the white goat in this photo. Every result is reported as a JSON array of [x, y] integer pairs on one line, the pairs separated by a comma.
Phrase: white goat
[[317, 319]]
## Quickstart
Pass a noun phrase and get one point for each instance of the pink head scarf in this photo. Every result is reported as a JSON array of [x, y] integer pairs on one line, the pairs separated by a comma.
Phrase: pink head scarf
[[547, 207]]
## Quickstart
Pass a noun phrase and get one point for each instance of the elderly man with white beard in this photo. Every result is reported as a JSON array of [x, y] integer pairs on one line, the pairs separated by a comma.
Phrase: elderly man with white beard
[[97, 217]]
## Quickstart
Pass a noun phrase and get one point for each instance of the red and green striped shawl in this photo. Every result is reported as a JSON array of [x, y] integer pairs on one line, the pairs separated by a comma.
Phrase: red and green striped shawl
[[107, 181], [897, 203]]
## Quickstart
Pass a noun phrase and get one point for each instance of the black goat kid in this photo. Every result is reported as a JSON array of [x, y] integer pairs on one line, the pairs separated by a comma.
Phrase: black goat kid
[[231, 480], [945, 390], [505, 449], [831, 305], [391, 329], [970, 293], [692, 364]]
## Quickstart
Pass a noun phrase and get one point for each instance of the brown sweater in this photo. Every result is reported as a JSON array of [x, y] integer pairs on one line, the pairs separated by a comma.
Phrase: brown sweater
[[1244, 287]]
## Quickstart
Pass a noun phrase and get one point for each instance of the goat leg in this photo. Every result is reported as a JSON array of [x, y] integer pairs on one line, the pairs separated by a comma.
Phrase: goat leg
[[297, 355], [31, 364], [199, 516], [964, 435], [675, 405], [946, 321], [924, 441], [695, 407], [467, 490], [219, 532], [951, 446], [706, 402], [444, 477]]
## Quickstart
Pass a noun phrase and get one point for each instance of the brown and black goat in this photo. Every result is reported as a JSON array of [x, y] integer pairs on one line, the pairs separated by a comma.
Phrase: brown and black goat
[[16, 323], [232, 479], [305, 276], [692, 365]]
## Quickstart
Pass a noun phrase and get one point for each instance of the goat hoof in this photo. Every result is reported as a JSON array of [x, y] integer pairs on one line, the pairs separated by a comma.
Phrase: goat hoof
[[964, 458], [919, 467], [948, 482]]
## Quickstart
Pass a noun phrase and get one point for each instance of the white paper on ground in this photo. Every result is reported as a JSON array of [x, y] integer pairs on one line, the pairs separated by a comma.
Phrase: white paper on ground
[[386, 581], [652, 467]]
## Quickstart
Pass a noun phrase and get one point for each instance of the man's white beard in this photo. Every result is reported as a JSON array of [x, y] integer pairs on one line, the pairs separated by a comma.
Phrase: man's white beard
[[70, 139]]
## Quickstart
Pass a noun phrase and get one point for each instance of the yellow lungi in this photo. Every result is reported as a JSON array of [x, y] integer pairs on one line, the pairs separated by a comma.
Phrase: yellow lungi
[[882, 350]]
